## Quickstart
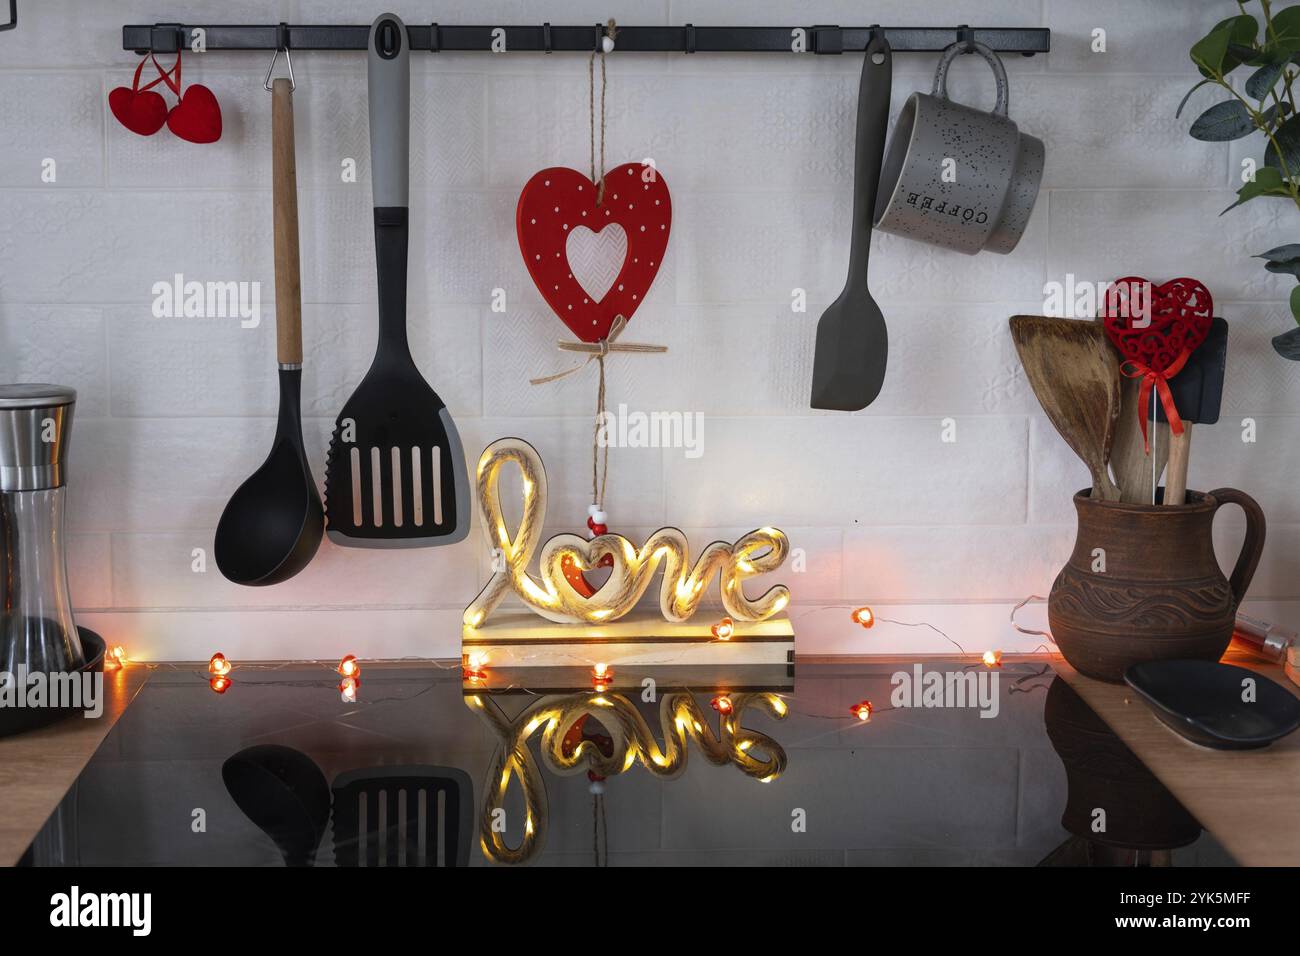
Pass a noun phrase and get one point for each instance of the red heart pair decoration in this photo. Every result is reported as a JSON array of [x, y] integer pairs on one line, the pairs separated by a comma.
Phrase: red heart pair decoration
[[196, 117], [1155, 329], [557, 201]]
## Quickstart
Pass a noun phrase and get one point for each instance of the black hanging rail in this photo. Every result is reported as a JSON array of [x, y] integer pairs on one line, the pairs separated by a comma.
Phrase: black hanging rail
[[438, 38]]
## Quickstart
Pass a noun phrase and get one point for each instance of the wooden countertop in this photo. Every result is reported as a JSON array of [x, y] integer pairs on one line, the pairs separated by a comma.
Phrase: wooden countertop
[[1249, 799], [38, 767]]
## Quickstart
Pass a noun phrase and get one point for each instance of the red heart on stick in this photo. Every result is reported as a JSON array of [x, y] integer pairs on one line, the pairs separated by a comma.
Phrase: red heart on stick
[[197, 117], [1152, 325], [557, 201], [1155, 328]]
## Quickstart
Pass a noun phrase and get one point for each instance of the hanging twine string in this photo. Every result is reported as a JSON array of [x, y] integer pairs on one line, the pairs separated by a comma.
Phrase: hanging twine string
[[597, 351], [611, 30]]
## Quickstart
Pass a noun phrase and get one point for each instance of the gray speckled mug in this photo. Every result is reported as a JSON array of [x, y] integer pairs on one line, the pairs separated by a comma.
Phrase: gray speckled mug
[[982, 197]]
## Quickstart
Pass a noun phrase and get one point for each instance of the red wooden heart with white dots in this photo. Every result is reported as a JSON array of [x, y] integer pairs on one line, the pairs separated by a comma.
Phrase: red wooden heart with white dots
[[558, 200]]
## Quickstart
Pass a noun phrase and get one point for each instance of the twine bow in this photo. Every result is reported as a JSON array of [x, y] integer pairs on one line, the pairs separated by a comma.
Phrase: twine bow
[[1151, 379], [596, 351]]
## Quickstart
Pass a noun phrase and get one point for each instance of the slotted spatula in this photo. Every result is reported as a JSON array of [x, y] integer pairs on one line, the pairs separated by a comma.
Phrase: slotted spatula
[[1074, 373], [395, 476]]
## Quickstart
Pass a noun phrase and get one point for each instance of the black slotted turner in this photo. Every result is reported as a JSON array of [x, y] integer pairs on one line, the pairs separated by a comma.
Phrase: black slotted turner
[[395, 476]]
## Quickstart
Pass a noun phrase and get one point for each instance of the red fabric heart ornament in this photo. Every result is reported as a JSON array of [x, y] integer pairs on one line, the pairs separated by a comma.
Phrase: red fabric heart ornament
[[558, 200], [1155, 329], [142, 111], [197, 117]]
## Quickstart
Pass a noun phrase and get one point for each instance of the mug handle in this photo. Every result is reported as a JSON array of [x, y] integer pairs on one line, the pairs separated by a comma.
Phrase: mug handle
[[951, 53], [1253, 546]]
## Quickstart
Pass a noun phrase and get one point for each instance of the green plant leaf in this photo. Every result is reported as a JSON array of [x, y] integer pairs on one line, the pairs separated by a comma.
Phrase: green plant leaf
[[1262, 80], [1286, 31], [1290, 267], [1287, 138], [1267, 182], [1179, 112], [1222, 122], [1211, 54], [1295, 303], [1280, 253], [1287, 345]]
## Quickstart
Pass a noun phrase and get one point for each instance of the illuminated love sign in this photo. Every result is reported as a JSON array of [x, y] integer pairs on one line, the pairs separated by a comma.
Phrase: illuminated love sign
[[567, 555]]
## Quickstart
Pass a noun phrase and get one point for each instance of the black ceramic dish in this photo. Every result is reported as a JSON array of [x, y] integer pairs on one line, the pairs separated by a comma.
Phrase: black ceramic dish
[[1202, 701], [14, 720]]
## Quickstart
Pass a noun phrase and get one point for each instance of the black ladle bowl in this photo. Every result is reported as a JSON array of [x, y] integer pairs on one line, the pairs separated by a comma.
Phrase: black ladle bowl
[[284, 793], [273, 523]]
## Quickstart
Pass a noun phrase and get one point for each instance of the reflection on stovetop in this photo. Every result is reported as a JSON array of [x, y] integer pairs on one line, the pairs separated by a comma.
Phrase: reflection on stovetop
[[423, 770]]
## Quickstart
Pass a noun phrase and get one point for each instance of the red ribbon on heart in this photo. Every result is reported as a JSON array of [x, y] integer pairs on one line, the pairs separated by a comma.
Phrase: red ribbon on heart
[[1160, 382], [558, 200], [1155, 329]]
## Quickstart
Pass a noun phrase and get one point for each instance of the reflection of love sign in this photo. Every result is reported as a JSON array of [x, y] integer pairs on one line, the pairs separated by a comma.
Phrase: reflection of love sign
[[554, 598], [559, 202]]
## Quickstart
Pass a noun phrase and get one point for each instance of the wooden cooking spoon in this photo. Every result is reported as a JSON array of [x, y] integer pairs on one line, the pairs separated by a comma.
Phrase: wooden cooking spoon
[[1074, 373]]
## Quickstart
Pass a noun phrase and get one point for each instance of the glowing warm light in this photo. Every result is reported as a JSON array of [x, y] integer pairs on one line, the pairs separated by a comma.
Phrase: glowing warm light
[[992, 658], [722, 704], [349, 667], [863, 616], [348, 689], [601, 675], [724, 629], [862, 710], [219, 683], [474, 668], [218, 666], [115, 658]]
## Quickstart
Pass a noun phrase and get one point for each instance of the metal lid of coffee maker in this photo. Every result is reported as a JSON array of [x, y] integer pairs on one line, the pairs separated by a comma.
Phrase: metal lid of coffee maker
[[35, 424]]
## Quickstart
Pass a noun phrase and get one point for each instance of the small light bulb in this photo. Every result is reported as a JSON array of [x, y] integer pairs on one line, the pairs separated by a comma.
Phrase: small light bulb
[[863, 616], [724, 629], [349, 667], [218, 666], [601, 675], [348, 689], [861, 710], [722, 704], [219, 683], [992, 658]]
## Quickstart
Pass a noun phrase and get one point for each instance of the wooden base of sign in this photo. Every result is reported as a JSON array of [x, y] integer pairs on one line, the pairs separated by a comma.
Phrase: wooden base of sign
[[1293, 663], [642, 644]]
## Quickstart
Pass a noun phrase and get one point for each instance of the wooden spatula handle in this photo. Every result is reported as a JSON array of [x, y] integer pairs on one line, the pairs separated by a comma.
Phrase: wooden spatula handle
[[1176, 476], [284, 193]]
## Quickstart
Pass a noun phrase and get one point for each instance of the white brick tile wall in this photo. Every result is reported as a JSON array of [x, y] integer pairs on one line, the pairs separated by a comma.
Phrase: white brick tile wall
[[758, 150]]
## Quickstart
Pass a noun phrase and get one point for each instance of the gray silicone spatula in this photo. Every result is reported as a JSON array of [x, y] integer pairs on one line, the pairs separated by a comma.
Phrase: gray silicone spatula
[[395, 476], [852, 340]]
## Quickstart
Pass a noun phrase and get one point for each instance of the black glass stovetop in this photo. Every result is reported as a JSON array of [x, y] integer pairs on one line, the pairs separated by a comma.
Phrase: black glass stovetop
[[425, 768]]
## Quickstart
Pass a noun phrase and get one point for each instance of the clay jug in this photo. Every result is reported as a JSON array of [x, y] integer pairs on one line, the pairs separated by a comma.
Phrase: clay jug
[[1143, 583]]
